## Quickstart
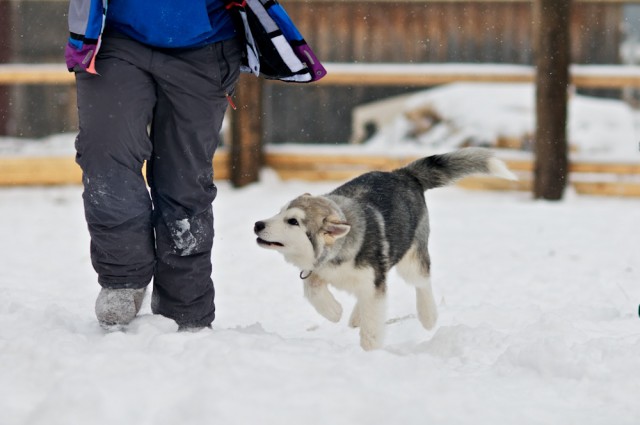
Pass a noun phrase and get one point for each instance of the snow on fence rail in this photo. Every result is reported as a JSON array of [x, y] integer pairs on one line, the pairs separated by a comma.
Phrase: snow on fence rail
[[386, 74]]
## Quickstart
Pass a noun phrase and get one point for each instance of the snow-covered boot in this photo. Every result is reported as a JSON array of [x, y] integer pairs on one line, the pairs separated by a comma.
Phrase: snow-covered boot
[[187, 327], [182, 327], [118, 307]]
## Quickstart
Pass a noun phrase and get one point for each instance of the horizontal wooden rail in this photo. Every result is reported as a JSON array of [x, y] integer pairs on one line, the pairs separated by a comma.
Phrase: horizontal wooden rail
[[386, 74], [42, 73], [593, 178], [63, 170], [589, 178], [586, 76]]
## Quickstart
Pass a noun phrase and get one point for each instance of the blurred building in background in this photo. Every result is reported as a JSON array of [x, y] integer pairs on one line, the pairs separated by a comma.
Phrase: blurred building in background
[[411, 31]]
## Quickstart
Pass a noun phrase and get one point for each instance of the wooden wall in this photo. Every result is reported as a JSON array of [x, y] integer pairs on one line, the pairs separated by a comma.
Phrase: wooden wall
[[447, 31], [416, 31], [339, 31]]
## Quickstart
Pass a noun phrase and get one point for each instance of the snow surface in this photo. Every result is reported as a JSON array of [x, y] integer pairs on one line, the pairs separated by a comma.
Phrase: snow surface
[[538, 323]]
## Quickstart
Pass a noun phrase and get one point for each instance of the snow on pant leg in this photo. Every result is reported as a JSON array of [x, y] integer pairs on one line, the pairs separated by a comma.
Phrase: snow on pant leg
[[185, 132], [114, 109]]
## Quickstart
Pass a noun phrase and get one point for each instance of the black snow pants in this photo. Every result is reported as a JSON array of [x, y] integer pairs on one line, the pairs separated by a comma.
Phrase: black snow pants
[[164, 107]]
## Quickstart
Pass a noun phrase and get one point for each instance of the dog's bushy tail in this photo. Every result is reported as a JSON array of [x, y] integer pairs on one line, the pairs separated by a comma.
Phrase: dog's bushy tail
[[440, 170]]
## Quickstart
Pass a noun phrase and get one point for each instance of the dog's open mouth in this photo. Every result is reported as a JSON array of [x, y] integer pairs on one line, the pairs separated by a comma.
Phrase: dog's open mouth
[[267, 243]]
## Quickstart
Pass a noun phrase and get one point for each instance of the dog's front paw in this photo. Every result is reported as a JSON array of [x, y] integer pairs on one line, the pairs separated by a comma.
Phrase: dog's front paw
[[354, 320], [323, 301], [330, 310], [370, 341]]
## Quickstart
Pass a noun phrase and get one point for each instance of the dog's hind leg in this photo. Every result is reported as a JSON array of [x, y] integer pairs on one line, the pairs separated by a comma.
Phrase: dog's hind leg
[[317, 292], [414, 269]]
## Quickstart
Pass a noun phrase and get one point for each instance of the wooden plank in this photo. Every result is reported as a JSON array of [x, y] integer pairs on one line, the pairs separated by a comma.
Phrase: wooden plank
[[626, 189], [387, 74], [519, 164], [582, 167], [379, 162], [47, 171], [48, 73], [316, 175], [341, 168], [27, 171], [492, 183], [320, 160], [471, 183], [607, 168], [221, 163]]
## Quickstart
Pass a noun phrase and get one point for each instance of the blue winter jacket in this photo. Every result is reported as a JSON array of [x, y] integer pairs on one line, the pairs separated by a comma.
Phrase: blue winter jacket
[[273, 46], [159, 23], [171, 23]]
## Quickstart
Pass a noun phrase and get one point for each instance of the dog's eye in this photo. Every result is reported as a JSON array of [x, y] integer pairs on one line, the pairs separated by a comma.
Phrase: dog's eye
[[293, 222]]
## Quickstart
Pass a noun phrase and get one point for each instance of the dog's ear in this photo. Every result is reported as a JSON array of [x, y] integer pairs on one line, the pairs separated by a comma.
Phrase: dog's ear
[[334, 228]]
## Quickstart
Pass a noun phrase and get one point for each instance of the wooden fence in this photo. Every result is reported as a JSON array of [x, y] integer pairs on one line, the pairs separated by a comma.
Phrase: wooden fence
[[586, 177], [413, 39], [385, 74], [416, 31], [342, 31], [620, 179], [474, 31]]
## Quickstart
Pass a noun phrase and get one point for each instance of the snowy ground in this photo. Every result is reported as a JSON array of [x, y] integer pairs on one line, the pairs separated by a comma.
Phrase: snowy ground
[[538, 324]]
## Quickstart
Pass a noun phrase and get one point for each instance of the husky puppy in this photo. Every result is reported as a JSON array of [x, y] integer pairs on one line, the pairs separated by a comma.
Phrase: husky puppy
[[351, 237]]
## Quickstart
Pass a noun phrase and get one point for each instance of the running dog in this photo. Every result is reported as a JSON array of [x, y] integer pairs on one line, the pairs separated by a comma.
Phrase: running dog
[[351, 237]]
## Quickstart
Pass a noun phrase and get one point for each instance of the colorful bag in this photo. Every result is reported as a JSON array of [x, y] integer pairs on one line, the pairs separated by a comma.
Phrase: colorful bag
[[275, 48]]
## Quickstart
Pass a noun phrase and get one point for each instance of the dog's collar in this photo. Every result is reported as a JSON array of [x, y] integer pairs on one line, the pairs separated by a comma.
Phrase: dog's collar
[[304, 276]]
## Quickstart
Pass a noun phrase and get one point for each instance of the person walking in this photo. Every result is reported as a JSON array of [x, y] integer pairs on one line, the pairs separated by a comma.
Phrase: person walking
[[156, 92]]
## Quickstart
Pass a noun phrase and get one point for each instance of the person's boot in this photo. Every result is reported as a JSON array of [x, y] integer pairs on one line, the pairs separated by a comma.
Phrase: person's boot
[[182, 327], [188, 327], [116, 308]]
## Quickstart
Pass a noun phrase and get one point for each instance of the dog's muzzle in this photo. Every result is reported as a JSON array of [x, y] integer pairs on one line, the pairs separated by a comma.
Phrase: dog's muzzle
[[259, 227]]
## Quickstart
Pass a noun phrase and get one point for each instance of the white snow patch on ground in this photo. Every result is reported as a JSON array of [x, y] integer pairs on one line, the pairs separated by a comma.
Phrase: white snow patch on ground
[[538, 323]]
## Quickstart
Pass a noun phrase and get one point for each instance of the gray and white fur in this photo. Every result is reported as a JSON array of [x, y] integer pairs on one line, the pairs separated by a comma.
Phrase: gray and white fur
[[351, 237]]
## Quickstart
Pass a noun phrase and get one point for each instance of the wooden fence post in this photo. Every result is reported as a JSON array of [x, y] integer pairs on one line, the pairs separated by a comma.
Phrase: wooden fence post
[[246, 154], [553, 57], [5, 57]]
